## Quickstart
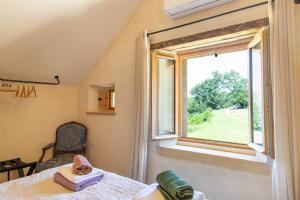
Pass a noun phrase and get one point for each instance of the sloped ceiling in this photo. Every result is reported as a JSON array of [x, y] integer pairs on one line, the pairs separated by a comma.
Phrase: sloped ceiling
[[39, 39]]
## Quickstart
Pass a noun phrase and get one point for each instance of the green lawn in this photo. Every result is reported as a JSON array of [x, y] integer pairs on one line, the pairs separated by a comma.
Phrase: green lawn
[[226, 125]]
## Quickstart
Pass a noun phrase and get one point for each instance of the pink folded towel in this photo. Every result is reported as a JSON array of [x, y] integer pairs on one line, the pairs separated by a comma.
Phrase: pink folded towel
[[59, 178], [81, 165]]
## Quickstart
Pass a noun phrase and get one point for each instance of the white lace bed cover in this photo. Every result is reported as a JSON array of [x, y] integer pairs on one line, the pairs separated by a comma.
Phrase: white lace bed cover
[[41, 186]]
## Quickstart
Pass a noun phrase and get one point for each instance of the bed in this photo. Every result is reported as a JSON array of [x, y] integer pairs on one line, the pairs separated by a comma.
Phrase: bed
[[41, 186]]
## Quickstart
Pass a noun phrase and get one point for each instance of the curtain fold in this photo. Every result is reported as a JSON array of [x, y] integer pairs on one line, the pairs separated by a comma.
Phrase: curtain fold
[[142, 108], [284, 82]]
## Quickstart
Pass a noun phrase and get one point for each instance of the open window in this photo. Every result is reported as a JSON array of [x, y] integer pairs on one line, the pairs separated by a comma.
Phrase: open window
[[260, 105], [163, 95], [216, 93]]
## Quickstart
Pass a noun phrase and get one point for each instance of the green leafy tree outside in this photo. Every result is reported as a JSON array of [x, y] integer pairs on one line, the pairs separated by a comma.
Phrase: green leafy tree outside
[[219, 91]]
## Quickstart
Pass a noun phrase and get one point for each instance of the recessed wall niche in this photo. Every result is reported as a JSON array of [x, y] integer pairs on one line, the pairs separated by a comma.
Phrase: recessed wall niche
[[101, 99]]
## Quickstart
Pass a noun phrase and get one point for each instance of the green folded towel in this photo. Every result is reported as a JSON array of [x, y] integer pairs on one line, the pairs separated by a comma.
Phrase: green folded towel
[[173, 187]]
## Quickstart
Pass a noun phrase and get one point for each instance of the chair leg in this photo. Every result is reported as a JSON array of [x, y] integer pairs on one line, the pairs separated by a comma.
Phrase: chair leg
[[21, 172], [31, 170], [8, 175]]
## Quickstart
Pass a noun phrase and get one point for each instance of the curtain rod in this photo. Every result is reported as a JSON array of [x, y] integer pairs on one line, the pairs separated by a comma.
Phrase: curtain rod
[[34, 82], [208, 18]]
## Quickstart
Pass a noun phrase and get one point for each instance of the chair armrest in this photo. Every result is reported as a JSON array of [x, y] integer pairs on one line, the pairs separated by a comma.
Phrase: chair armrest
[[45, 148], [48, 146]]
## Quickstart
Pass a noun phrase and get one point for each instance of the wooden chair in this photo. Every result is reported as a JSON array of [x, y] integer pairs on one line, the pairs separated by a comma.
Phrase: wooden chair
[[70, 140]]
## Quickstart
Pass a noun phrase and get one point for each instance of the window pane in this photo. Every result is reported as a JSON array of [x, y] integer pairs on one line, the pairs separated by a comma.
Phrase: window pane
[[215, 97], [257, 91], [166, 96], [113, 99]]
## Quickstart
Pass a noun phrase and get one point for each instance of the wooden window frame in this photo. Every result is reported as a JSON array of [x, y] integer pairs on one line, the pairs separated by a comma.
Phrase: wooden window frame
[[268, 149], [179, 57], [201, 52], [154, 71]]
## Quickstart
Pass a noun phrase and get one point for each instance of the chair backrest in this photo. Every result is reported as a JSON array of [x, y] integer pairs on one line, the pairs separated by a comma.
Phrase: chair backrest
[[70, 138]]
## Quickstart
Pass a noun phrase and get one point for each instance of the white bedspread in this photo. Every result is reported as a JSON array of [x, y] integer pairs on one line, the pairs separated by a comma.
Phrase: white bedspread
[[41, 186]]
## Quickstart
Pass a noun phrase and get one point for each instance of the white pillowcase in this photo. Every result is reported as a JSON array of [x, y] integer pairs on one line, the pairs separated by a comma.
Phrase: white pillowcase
[[149, 192], [152, 193]]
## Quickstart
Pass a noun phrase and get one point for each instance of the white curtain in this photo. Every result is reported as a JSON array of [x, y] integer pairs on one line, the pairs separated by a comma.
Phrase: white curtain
[[286, 111], [142, 107]]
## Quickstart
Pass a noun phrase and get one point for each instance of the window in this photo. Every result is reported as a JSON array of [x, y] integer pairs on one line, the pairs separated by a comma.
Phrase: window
[[112, 99], [216, 92], [163, 87], [101, 99], [217, 95]]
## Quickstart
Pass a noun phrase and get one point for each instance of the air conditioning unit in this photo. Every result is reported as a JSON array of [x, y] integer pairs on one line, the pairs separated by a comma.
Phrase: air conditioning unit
[[180, 8]]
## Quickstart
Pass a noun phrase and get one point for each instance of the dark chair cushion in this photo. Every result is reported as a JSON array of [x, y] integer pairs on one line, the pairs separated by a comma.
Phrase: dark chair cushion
[[70, 137], [59, 160]]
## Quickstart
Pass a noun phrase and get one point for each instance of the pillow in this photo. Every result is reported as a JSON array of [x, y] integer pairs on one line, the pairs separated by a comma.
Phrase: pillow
[[151, 192]]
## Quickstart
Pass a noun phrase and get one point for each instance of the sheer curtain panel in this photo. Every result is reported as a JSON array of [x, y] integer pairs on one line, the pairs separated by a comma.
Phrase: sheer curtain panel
[[285, 97], [142, 108]]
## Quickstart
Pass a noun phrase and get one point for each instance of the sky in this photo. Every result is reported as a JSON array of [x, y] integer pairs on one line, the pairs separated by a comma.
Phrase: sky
[[201, 68]]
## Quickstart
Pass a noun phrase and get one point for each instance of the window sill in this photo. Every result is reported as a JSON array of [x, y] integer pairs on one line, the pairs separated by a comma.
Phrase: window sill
[[102, 112], [258, 158], [165, 137], [219, 146]]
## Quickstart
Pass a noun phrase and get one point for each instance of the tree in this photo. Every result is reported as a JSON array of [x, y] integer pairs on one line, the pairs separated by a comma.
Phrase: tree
[[237, 88], [239, 94], [195, 106], [219, 91], [209, 93], [257, 120]]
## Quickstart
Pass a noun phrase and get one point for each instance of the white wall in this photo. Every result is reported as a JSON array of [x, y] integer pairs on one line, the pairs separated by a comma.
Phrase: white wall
[[111, 137], [28, 124], [58, 36]]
